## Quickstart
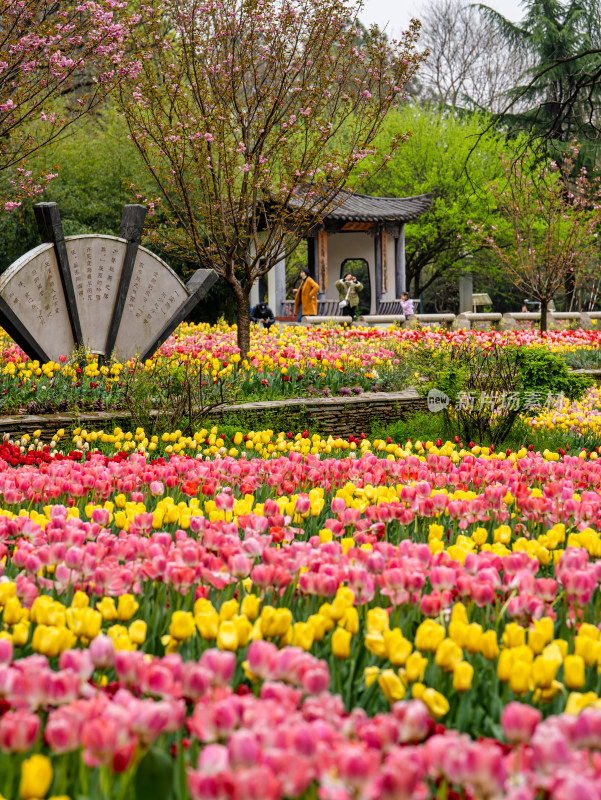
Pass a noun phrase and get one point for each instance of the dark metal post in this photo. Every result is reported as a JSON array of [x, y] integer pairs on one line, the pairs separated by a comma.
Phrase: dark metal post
[[198, 286], [132, 222], [312, 256], [51, 230], [399, 263], [17, 331], [378, 266]]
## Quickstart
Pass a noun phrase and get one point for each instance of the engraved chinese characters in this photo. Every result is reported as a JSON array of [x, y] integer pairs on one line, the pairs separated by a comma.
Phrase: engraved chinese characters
[[31, 288], [103, 292], [155, 293], [95, 263]]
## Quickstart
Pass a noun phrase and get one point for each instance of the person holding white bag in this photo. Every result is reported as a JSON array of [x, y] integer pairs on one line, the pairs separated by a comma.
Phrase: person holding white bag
[[348, 295]]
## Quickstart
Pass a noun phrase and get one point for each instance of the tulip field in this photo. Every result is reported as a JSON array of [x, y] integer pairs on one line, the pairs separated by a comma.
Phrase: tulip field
[[298, 361], [271, 615]]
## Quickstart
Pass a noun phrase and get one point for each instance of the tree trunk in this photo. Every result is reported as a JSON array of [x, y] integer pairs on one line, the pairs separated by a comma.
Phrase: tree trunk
[[544, 305], [243, 303]]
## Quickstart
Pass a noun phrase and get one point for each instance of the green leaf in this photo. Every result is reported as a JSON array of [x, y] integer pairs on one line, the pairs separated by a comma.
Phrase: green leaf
[[154, 776]]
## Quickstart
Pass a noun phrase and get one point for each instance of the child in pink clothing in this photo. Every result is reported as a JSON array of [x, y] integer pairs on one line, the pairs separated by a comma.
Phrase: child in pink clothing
[[407, 307]]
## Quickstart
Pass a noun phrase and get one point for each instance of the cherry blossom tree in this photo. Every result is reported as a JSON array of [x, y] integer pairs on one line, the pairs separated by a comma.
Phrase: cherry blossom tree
[[251, 115], [548, 226], [58, 61]]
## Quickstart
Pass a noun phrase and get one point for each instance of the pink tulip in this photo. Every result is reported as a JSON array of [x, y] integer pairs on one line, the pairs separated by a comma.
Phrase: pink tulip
[[63, 730], [414, 721], [519, 722], [102, 652], [18, 731], [220, 664]]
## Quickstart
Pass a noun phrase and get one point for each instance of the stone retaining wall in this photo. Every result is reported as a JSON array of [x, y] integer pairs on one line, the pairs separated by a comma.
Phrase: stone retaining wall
[[338, 416]]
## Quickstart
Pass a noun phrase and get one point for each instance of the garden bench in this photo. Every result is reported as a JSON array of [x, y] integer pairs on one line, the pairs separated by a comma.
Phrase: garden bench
[[326, 309], [390, 308]]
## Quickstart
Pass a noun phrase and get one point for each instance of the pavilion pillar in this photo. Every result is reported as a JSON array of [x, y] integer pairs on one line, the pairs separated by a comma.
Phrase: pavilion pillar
[[312, 256], [276, 287], [399, 263], [255, 295], [378, 267], [322, 263]]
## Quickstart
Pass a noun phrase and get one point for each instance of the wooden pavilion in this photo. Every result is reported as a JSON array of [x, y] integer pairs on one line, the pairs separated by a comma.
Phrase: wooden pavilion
[[358, 227]]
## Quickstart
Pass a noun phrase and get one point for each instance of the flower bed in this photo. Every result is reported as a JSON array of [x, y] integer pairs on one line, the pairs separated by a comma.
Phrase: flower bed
[[307, 617], [298, 361]]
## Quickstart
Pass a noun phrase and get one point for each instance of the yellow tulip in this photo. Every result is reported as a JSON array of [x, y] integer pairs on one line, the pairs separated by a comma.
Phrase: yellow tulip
[[320, 624], [589, 631], [303, 635], [91, 623], [436, 703], [398, 648], [370, 674], [350, 620], [36, 777], [448, 655], [391, 685], [504, 665], [429, 635], [473, 638], [415, 666], [463, 675], [182, 625], [207, 624], [137, 631], [228, 610], [378, 620], [12, 611], [250, 606], [514, 635], [20, 634], [275, 621], [243, 628], [341, 643], [459, 613], [588, 649], [519, 679], [126, 607], [544, 671], [574, 672], [227, 636], [489, 646], [577, 701], [107, 608]]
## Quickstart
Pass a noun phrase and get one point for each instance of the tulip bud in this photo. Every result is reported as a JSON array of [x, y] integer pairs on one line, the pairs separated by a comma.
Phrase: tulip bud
[[36, 777], [341, 643], [519, 721], [391, 685], [182, 625], [573, 672], [227, 636], [462, 676]]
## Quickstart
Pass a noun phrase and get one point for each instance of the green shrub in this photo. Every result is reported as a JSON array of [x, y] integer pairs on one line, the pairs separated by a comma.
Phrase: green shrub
[[546, 373], [490, 385]]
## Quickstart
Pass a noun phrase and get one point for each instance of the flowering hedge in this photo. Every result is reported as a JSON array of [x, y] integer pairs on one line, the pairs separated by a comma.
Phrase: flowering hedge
[[341, 623]]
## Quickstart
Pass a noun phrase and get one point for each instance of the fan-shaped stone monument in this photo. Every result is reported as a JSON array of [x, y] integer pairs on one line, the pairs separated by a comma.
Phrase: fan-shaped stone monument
[[105, 293]]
